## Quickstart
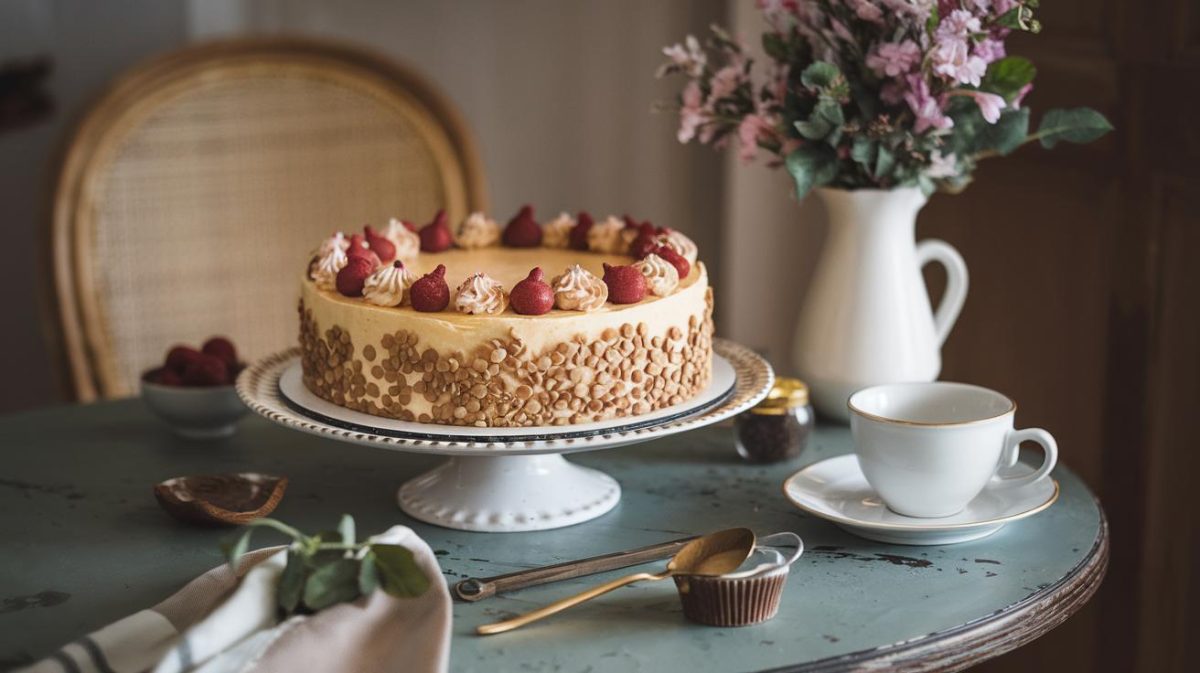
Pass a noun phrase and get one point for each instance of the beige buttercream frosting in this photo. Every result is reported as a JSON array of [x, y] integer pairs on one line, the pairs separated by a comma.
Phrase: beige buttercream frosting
[[477, 231], [661, 276], [605, 237], [324, 274], [681, 244], [479, 293], [388, 285], [578, 289], [407, 242], [338, 240], [557, 232]]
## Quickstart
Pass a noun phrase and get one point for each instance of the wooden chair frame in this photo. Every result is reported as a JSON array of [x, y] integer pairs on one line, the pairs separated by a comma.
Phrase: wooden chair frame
[[77, 327]]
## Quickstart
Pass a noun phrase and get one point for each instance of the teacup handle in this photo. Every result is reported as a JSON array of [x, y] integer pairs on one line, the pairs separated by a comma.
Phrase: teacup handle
[[1012, 450]]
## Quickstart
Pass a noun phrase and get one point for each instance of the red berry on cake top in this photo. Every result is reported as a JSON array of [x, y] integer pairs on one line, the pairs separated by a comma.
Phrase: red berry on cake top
[[380, 245], [359, 248], [626, 284], [677, 260], [353, 276], [522, 230], [430, 293], [436, 236], [532, 296], [579, 233], [645, 243]]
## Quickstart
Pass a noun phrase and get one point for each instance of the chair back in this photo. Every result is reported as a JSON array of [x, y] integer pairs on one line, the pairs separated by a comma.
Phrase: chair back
[[193, 192]]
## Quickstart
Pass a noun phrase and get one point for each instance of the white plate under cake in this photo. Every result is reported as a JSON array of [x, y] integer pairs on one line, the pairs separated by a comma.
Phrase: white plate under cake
[[610, 331]]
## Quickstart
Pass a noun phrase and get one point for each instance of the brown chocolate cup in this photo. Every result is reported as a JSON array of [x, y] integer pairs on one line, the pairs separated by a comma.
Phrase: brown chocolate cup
[[727, 601]]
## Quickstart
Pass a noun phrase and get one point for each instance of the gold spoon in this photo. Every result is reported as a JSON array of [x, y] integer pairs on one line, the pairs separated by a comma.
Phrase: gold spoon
[[713, 554]]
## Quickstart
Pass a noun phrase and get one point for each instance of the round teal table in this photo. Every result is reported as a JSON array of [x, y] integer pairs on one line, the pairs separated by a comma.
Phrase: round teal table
[[85, 543]]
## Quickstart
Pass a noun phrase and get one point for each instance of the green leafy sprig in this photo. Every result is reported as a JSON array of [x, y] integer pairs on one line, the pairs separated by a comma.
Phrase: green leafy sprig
[[333, 567]]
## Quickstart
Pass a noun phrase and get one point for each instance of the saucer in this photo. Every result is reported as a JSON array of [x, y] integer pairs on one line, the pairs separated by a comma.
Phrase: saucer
[[835, 489]]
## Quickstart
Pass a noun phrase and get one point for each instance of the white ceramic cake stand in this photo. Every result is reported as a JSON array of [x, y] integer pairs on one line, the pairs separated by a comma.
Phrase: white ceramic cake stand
[[504, 479]]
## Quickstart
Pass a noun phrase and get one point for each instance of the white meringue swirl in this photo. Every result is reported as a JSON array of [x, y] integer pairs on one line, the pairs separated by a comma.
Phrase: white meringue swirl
[[681, 244], [605, 236], [326, 270], [479, 293], [661, 276], [578, 289], [388, 285], [477, 231], [337, 240], [557, 232], [407, 242]]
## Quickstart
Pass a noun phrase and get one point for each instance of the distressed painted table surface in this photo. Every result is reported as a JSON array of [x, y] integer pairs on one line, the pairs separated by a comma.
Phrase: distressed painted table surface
[[84, 543]]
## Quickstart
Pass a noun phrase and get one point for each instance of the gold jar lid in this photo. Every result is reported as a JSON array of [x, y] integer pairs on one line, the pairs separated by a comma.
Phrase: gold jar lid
[[786, 394]]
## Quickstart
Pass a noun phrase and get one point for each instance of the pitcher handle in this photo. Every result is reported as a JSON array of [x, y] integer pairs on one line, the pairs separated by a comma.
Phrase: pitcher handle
[[934, 250]]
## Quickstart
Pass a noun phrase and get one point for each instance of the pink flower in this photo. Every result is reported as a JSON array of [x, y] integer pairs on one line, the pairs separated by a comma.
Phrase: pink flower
[[749, 131], [781, 15], [952, 59], [990, 104], [928, 110], [1021, 93], [894, 58], [958, 24], [866, 11], [892, 92], [724, 82], [989, 49], [840, 30], [918, 9], [691, 114], [688, 56]]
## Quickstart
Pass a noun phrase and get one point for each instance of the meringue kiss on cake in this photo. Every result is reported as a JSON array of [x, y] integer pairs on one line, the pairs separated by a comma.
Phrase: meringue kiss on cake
[[525, 324]]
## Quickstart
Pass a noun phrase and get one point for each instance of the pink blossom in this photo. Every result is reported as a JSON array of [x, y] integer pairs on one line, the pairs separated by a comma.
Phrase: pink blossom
[[1002, 7], [989, 49], [866, 11], [918, 9], [958, 24], [990, 104], [749, 131], [892, 92], [894, 58], [691, 114], [724, 82], [841, 30], [781, 15], [982, 5], [928, 110], [688, 56], [951, 58], [1021, 93]]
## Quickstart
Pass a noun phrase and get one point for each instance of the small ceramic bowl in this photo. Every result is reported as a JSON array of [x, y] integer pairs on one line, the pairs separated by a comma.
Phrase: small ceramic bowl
[[209, 412], [747, 596]]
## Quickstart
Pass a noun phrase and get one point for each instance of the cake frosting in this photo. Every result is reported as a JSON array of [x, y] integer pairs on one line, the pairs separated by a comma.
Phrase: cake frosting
[[578, 289], [389, 284], [480, 294]]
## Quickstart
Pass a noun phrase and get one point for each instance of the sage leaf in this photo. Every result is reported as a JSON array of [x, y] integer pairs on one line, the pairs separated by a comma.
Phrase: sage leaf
[[811, 166], [1007, 134], [863, 151], [1075, 125], [885, 162], [368, 575], [398, 571], [331, 583], [291, 583], [346, 528], [1008, 76], [820, 75]]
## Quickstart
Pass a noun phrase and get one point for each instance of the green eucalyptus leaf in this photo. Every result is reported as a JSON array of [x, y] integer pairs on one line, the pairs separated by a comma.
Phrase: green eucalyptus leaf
[[291, 582], [368, 574], [331, 583], [1075, 125], [825, 122], [398, 571], [775, 46], [346, 528], [811, 166], [885, 162], [1008, 76], [234, 549], [864, 151], [819, 75], [1007, 134]]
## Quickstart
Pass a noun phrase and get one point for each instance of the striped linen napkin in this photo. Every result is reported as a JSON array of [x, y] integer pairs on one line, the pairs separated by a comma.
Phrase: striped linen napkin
[[226, 622]]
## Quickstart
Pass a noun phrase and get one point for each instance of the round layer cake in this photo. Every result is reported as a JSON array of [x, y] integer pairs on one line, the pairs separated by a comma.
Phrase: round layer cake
[[477, 360]]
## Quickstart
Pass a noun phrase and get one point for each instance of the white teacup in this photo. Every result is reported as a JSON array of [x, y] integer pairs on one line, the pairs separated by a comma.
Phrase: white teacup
[[929, 448]]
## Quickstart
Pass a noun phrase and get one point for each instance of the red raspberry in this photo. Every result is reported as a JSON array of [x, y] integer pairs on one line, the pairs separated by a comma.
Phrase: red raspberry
[[409, 226], [353, 276], [167, 377], [436, 236], [677, 260], [209, 370], [579, 233], [626, 284], [221, 348], [359, 248], [430, 293], [644, 244], [532, 296], [179, 357], [522, 230], [382, 247]]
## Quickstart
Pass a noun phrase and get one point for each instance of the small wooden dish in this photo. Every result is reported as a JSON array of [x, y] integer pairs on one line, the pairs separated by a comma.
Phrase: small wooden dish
[[221, 499]]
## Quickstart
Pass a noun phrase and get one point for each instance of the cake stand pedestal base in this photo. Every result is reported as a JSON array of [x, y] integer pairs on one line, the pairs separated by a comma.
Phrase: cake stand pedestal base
[[508, 494]]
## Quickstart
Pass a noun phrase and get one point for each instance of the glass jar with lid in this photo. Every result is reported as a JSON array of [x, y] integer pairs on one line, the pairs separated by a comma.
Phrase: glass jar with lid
[[778, 427]]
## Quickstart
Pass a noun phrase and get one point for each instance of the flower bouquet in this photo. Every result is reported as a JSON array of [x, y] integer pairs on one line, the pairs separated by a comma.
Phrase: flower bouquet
[[873, 93]]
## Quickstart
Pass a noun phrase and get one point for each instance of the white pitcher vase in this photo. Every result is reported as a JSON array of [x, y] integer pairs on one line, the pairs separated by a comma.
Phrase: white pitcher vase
[[867, 318]]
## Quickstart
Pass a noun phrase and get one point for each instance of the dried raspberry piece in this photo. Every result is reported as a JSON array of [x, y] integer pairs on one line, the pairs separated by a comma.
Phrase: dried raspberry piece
[[532, 296], [359, 248], [436, 236], [353, 276], [626, 284], [677, 260], [645, 243], [522, 230], [207, 370], [579, 233], [430, 293], [381, 246], [221, 347]]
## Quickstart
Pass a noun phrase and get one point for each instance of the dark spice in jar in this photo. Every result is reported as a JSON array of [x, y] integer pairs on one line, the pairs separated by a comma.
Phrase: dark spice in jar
[[777, 428]]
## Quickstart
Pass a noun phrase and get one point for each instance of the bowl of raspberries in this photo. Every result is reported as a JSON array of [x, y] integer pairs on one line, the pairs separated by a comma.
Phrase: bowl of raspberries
[[193, 389]]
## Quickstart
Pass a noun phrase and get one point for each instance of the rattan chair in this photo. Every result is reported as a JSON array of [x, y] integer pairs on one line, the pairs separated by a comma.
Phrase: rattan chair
[[193, 191]]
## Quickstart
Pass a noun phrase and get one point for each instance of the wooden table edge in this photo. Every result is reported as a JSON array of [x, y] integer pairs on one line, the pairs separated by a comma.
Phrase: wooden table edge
[[970, 644]]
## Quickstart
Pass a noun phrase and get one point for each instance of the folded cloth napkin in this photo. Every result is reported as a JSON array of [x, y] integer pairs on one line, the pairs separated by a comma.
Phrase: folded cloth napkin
[[226, 622]]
